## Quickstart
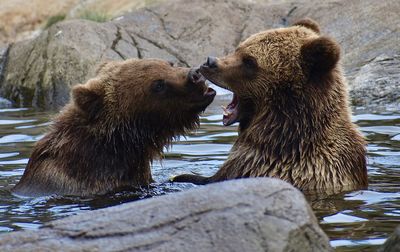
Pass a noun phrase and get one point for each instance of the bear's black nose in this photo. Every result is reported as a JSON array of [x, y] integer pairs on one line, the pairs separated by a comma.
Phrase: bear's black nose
[[211, 62]]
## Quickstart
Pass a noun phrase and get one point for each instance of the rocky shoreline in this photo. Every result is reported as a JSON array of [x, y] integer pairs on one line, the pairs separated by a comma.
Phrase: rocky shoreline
[[41, 71]]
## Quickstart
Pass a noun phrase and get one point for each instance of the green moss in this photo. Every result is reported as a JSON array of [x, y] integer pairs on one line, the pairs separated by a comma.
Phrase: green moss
[[95, 16], [54, 19]]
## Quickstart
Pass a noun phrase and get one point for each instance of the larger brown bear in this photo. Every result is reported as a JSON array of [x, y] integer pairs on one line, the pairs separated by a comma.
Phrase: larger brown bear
[[290, 98], [116, 123]]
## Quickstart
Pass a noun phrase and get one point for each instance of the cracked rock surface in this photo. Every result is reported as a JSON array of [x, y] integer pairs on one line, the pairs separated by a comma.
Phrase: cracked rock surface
[[40, 72], [258, 214], [378, 80]]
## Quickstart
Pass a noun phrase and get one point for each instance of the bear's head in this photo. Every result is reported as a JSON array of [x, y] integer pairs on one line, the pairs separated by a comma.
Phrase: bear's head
[[151, 96], [278, 68]]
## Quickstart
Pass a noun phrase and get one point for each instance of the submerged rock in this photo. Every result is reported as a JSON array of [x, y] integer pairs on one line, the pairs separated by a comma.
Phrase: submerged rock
[[260, 214], [40, 72], [393, 243], [4, 103]]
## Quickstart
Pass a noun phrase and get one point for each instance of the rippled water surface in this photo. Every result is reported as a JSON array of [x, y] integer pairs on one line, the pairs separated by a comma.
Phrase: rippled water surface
[[354, 221]]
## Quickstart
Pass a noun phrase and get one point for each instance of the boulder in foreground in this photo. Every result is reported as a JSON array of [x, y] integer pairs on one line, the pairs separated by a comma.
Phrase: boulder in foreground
[[258, 214]]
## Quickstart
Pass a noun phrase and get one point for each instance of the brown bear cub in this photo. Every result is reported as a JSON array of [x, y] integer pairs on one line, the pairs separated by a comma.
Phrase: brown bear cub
[[106, 137], [290, 98]]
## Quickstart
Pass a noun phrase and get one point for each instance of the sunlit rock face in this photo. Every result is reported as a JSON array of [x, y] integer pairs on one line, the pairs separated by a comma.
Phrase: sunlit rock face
[[41, 71]]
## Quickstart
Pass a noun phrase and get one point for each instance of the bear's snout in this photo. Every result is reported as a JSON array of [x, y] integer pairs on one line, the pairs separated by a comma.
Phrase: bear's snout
[[211, 62], [195, 76]]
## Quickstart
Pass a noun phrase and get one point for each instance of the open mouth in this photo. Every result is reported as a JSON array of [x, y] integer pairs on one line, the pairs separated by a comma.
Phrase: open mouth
[[231, 111], [208, 93]]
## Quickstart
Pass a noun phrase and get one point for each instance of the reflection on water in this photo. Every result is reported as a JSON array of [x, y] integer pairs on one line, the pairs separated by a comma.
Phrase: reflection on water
[[354, 221]]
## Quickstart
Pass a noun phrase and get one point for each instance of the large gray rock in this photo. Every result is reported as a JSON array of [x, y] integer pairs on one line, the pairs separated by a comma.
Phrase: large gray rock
[[378, 81], [4, 103], [261, 214], [40, 72], [3, 60]]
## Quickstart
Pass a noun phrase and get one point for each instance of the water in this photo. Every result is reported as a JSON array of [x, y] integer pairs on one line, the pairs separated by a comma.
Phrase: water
[[354, 221]]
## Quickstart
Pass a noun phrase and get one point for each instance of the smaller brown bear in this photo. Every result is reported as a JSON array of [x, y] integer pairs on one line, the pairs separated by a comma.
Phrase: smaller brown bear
[[290, 99], [106, 137]]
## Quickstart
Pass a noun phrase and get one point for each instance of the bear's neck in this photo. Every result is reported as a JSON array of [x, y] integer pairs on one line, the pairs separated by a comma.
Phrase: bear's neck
[[298, 138], [116, 152], [293, 116]]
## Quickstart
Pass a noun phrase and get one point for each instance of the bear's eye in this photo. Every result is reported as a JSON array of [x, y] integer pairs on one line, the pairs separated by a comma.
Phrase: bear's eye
[[158, 86], [249, 62]]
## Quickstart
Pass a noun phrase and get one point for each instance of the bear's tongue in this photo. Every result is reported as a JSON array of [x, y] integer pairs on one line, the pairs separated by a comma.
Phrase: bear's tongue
[[231, 112]]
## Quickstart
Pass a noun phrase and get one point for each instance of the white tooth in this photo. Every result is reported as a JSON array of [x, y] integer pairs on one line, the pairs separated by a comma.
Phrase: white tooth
[[227, 113]]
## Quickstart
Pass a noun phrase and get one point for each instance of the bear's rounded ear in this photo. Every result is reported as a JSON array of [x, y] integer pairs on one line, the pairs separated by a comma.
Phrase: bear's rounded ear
[[320, 55], [88, 98], [310, 24]]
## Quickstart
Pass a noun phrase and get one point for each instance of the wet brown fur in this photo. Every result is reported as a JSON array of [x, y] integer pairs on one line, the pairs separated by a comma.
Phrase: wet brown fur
[[294, 114], [114, 126]]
